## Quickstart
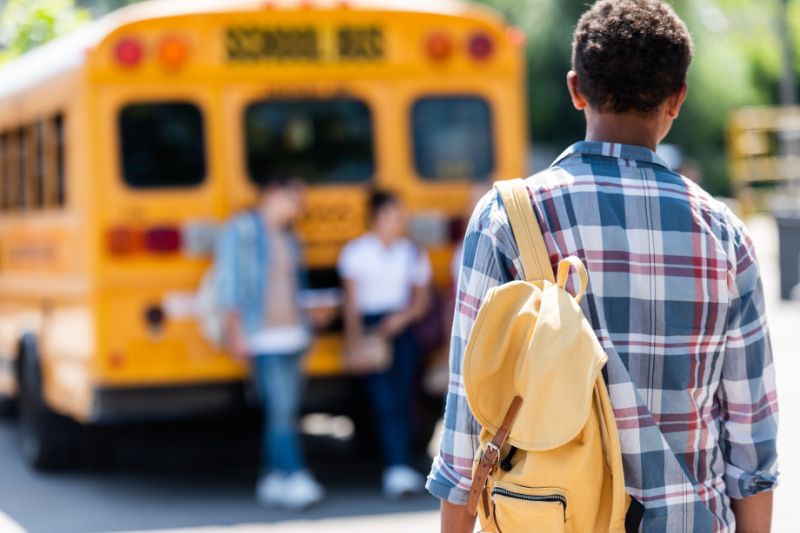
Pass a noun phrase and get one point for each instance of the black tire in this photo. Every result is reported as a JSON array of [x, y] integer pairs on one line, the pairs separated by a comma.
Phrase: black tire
[[47, 439]]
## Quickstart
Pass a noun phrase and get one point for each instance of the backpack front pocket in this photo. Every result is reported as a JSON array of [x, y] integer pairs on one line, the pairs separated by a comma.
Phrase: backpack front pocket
[[520, 509]]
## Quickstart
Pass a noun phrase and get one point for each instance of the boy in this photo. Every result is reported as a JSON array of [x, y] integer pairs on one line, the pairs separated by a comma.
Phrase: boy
[[675, 293]]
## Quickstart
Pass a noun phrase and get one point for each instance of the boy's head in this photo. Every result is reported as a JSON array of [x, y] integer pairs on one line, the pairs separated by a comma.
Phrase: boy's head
[[282, 198], [630, 56], [386, 214]]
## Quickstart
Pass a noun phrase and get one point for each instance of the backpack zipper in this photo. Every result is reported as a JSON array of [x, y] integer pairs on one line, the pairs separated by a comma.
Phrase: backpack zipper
[[550, 498]]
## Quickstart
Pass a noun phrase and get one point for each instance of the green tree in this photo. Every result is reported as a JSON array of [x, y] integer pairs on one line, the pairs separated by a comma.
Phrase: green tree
[[26, 24]]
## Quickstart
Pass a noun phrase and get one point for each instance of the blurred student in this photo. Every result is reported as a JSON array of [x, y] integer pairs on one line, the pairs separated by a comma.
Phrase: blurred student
[[259, 276], [386, 280]]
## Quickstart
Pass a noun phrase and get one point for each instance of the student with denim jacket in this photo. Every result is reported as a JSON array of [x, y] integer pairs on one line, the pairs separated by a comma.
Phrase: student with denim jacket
[[259, 276]]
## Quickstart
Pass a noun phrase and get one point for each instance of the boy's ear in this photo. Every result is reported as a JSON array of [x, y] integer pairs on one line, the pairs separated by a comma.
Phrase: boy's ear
[[675, 102], [573, 85]]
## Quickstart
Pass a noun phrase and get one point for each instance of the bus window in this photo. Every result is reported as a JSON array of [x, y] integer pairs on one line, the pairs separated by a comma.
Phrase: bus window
[[61, 192], [162, 145], [453, 138], [12, 171], [38, 167], [318, 141], [22, 155], [3, 171]]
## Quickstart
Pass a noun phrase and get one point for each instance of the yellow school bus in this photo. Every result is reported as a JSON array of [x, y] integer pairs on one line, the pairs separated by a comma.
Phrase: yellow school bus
[[125, 144]]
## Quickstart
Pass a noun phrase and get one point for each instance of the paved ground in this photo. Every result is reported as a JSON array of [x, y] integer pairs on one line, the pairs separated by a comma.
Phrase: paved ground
[[157, 486]]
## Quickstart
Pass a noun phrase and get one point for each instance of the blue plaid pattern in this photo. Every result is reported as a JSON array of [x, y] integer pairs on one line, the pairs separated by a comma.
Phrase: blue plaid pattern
[[675, 298]]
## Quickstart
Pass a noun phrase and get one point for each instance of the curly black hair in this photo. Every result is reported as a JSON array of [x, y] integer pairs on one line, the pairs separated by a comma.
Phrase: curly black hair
[[630, 55]]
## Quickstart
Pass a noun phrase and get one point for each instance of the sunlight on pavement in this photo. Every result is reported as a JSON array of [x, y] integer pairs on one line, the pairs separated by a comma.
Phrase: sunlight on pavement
[[9, 526], [396, 523]]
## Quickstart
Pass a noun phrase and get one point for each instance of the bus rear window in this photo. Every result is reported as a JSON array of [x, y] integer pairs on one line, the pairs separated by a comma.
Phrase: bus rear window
[[318, 141], [453, 138], [162, 145]]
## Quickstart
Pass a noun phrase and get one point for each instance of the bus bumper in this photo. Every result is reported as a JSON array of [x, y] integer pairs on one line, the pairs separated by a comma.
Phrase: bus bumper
[[131, 404]]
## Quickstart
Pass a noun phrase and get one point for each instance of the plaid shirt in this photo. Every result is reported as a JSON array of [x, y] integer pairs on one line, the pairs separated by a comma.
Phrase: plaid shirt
[[675, 298]]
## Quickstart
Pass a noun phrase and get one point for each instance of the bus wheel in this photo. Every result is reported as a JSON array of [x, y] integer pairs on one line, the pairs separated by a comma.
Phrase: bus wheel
[[47, 439]]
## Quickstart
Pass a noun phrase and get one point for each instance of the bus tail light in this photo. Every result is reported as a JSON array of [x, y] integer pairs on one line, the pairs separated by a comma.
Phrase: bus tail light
[[480, 46], [439, 46], [123, 241], [458, 226], [173, 52], [429, 229], [129, 52], [199, 237], [162, 240], [195, 239]]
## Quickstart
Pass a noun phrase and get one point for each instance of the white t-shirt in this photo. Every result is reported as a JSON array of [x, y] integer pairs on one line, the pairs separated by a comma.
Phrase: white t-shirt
[[384, 276]]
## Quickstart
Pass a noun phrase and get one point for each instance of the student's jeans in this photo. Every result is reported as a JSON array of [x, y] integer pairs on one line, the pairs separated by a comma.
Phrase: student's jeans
[[278, 380], [391, 395]]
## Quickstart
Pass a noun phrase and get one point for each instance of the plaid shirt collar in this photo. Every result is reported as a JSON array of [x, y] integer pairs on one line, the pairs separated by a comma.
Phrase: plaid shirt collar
[[619, 151]]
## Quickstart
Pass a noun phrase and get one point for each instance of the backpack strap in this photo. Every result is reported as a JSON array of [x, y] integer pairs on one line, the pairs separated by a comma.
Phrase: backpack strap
[[490, 457], [532, 252]]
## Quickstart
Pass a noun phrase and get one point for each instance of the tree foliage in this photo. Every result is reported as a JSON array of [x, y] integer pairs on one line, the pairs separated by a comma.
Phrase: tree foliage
[[26, 24]]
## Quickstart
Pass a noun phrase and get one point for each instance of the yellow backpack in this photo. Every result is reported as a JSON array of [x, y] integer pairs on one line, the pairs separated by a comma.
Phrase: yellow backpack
[[549, 459]]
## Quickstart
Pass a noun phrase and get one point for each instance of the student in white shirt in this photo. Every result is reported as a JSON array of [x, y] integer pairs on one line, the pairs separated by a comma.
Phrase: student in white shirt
[[387, 281]]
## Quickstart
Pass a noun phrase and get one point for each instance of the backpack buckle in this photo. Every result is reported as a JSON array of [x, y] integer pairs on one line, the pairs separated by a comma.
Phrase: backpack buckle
[[491, 454]]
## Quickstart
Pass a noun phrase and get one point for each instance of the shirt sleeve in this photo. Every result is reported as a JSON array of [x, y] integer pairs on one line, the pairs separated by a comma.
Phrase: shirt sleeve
[[347, 265], [422, 270], [747, 397], [225, 277], [489, 259]]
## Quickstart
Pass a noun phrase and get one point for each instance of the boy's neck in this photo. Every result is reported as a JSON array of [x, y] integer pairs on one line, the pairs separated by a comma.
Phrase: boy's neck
[[623, 128]]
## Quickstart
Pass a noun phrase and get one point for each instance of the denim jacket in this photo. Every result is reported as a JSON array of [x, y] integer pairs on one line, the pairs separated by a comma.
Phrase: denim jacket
[[241, 262]]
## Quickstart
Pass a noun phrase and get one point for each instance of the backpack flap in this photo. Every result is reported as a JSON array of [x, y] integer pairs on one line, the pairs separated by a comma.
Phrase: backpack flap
[[532, 340]]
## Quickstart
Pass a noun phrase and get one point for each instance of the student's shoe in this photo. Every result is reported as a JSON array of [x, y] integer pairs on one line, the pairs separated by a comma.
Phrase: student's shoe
[[270, 489], [401, 480], [301, 491]]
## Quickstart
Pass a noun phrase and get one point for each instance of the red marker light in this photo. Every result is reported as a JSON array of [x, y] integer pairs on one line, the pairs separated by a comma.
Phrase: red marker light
[[439, 46], [480, 46], [162, 240], [129, 52]]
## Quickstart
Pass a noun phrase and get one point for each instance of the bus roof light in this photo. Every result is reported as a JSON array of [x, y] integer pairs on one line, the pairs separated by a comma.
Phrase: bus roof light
[[439, 46], [173, 52], [516, 37], [480, 46], [129, 52]]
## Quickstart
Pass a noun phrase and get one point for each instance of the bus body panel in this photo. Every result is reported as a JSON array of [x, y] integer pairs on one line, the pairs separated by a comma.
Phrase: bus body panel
[[101, 338]]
